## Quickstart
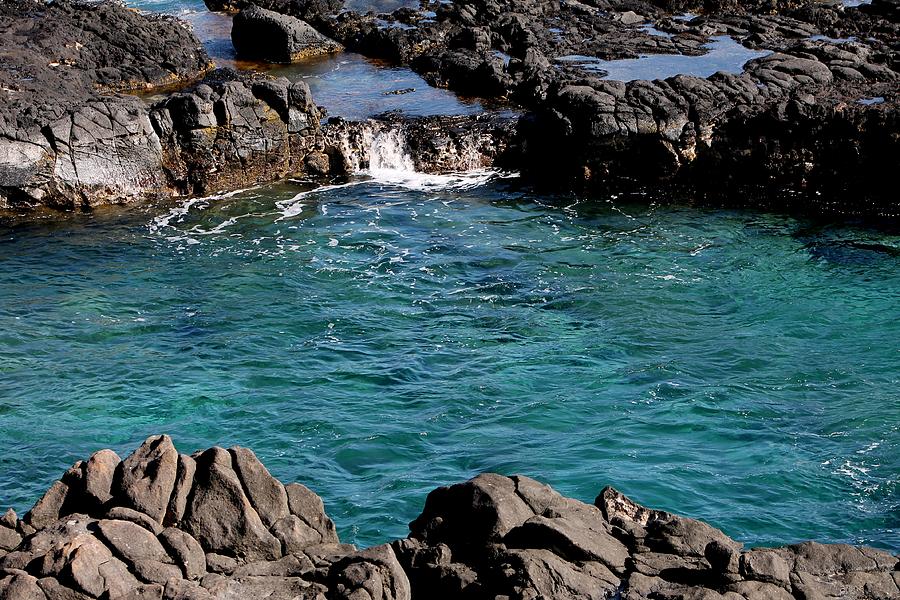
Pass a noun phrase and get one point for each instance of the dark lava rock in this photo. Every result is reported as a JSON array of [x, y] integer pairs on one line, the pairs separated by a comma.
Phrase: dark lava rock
[[302, 9], [245, 535], [792, 130], [266, 35]]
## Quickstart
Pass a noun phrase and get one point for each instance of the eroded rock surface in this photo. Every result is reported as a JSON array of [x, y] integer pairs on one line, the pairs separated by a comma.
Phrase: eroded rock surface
[[812, 122], [68, 140], [267, 35], [243, 534]]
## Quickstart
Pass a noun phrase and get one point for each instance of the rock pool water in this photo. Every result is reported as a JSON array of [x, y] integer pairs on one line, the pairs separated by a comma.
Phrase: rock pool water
[[377, 340]]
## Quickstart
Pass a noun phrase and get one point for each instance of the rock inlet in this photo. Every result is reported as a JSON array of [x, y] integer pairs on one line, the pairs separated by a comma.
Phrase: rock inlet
[[216, 525]]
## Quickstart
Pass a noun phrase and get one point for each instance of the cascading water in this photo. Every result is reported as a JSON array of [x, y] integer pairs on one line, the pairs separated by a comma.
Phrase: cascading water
[[388, 152]]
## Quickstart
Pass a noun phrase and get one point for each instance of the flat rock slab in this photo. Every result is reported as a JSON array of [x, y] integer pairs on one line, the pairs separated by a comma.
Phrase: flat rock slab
[[262, 34]]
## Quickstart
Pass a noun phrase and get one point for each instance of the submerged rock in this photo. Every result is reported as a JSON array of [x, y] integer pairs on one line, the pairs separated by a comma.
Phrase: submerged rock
[[266, 35], [246, 535]]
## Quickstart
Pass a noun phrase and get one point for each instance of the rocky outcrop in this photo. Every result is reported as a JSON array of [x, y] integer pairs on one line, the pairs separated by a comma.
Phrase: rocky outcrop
[[439, 144], [69, 141], [302, 9], [218, 525], [266, 35], [813, 123]]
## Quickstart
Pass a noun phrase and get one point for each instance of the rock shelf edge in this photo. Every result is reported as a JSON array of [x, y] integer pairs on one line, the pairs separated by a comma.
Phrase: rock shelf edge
[[217, 525]]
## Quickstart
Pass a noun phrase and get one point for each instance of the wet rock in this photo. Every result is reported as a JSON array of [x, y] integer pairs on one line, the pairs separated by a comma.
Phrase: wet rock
[[145, 480], [265, 35]]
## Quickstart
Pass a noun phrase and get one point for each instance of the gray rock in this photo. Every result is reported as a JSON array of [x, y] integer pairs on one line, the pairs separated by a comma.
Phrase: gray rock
[[121, 513], [481, 510], [145, 480], [263, 34], [295, 535]]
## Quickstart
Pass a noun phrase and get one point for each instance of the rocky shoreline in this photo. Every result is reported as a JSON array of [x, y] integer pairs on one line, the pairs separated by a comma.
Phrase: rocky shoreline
[[216, 524], [811, 124]]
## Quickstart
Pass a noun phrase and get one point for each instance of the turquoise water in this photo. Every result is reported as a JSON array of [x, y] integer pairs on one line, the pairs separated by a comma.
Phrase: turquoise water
[[375, 341]]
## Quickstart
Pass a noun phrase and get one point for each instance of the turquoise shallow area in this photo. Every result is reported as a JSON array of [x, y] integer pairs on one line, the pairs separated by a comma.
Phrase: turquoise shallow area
[[374, 342]]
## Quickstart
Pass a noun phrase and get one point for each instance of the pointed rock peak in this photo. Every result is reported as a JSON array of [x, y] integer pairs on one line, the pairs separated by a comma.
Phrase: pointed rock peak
[[144, 481]]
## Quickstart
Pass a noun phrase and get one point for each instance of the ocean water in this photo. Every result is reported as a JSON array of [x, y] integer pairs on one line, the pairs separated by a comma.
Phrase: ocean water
[[377, 339]]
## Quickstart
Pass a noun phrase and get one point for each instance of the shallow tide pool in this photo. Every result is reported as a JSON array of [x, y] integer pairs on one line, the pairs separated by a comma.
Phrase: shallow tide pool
[[380, 339]]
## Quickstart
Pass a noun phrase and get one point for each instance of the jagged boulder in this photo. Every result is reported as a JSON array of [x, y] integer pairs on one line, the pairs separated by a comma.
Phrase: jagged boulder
[[266, 35], [243, 534]]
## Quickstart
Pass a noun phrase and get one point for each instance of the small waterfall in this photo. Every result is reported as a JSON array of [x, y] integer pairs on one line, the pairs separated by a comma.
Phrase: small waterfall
[[388, 152], [380, 151]]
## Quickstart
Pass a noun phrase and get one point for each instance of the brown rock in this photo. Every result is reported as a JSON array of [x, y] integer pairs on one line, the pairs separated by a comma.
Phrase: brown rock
[[182, 589], [9, 539], [265, 493], [20, 587], [57, 591], [184, 481], [218, 563], [47, 510], [152, 591], [145, 480], [98, 476], [221, 517], [132, 542], [120, 513], [9, 519], [154, 571], [307, 505], [186, 551]]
